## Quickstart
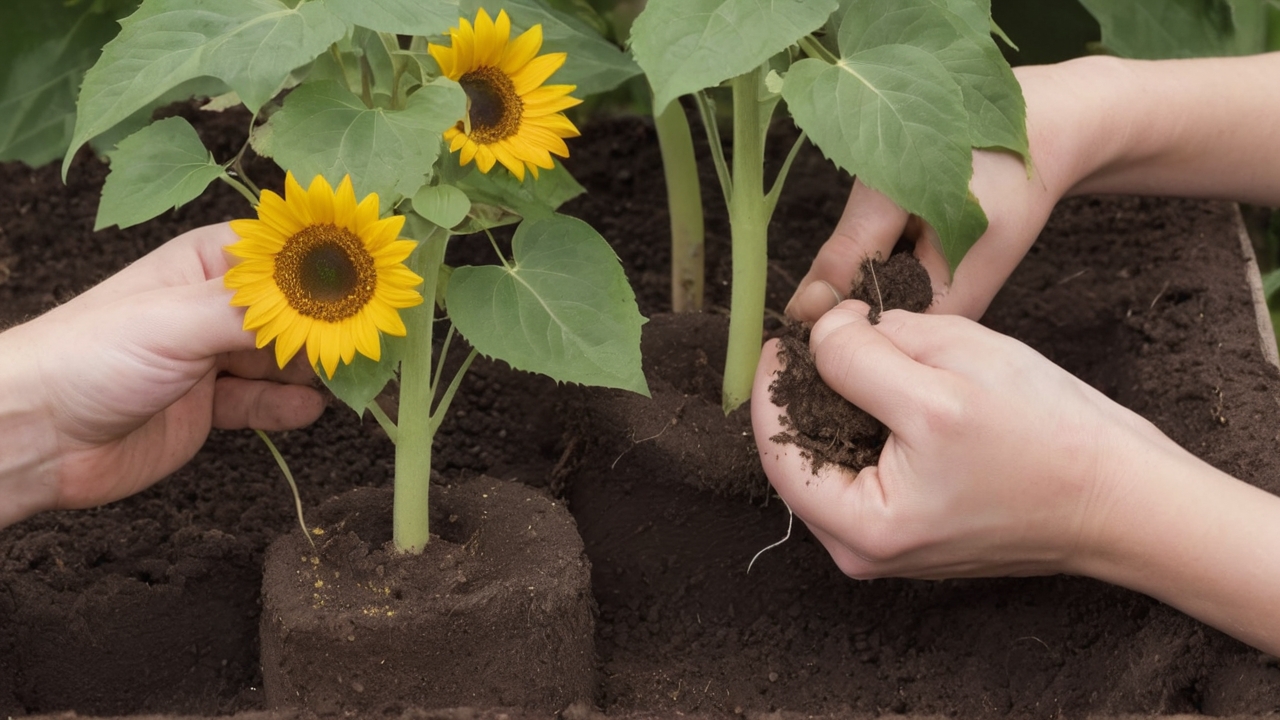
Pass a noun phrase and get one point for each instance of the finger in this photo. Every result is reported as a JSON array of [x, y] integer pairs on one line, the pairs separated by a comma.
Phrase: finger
[[187, 322], [941, 341], [190, 258], [784, 463], [990, 262], [825, 501], [869, 227], [261, 365], [263, 405], [864, 366], [981, 274]]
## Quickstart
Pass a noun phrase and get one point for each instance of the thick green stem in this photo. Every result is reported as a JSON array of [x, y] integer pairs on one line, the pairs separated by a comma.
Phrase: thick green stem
[[749, 226], [684, 203], [411, 524]]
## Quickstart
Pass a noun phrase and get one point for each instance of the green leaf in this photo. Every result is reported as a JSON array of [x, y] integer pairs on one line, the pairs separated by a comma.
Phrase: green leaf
[[251, 45], [104, 143], [325, 130], [963, 44], [1155, 29], [563, 307], [403, 17], [45, 49], [444, 205], [893, 116], [498, 198], [373, 48], [1270, 283], [359, 382], [162, 166], [594, 64], [688, 45], [582, 10]]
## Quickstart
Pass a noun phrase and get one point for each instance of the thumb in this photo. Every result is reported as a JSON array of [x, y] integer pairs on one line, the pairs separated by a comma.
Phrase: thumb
[[186, 322], [869, 227], [865, 367]]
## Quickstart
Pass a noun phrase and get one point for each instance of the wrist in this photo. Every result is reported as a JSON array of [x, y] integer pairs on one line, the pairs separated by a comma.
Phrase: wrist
[[1195, 538], [28, 444], [1075, 121], [1185, 128]]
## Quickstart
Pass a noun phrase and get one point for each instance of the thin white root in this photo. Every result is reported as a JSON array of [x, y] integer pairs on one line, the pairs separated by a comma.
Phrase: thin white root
[[791, 519]]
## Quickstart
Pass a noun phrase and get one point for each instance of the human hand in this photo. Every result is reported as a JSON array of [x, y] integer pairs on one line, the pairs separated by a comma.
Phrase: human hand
[[1017, 204], [998, 462], [119, 387]]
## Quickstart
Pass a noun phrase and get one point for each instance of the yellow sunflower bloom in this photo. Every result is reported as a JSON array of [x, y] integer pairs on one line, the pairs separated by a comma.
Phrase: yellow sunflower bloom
[[512, 118], [316, 268]]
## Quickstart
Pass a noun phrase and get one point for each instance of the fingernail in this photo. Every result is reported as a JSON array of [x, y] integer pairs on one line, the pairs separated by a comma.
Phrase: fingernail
[[814, 301]]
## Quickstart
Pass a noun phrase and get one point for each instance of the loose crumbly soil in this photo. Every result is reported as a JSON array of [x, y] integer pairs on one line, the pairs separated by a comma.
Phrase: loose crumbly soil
[[1141, 298], [828, 428]]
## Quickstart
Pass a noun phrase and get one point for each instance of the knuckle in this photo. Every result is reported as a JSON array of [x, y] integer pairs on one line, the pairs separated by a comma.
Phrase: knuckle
[[946, 412]]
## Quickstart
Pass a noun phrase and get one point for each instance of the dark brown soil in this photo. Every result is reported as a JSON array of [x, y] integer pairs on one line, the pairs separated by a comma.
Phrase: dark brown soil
[[1141, 298], [826, 427], [495, 612]]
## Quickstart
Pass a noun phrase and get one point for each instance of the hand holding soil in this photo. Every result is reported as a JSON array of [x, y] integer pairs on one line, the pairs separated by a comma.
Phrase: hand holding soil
[[1000, 463]]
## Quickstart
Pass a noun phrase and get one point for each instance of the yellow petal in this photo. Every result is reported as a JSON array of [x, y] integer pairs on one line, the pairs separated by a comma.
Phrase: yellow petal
[[330, 349], [548, 99], [366, 213], [320, 200], [468, 153], [344, 205], [366, 337], [296, 198], [464, 42], [394, 254], [532, 75], [346, 341], [545, 139], [444, 57], [387, 319], [484, 158], [296, 334], [508, 160], [521, 50]]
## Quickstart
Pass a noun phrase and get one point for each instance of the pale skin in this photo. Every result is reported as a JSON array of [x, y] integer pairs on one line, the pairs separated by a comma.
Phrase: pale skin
[[999, 462], [105, 395]]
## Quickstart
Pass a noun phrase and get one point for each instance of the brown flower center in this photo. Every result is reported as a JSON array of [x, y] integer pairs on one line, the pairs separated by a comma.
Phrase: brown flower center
[[325, 273], [493, 106]]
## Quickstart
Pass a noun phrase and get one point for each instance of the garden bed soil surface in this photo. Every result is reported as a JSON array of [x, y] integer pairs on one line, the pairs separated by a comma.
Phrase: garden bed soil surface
[[1144, 299]]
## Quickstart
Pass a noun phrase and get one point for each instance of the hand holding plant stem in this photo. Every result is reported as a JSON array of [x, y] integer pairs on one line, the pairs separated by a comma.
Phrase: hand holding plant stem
[[325, 272], [897, 93]]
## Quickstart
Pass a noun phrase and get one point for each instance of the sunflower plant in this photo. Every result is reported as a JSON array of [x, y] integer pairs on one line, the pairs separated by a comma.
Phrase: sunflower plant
[[400, 126], [897, 92]]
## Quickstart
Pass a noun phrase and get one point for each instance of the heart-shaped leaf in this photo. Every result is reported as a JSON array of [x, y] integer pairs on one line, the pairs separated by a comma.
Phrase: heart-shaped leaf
[[562, 307]]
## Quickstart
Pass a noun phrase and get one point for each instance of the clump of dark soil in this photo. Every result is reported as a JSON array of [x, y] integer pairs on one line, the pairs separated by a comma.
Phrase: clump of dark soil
[[828, 428]]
